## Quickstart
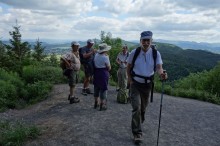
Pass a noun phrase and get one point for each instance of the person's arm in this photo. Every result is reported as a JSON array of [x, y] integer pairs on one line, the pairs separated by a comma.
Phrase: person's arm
[[129, 73], [107, 62], [87, 55], [118, 61], [160, 71], [126, 60], [108, 66]]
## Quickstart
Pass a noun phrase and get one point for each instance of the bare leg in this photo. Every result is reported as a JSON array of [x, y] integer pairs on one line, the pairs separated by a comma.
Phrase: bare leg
[[72, 91], [86, 82]]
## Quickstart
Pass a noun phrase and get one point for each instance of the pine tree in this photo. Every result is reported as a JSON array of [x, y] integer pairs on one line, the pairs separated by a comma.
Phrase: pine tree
[[18, 51], [3, 56], [38, 53]]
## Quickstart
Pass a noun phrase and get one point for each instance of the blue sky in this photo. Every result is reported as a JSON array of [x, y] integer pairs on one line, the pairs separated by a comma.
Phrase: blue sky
[[187, 20]]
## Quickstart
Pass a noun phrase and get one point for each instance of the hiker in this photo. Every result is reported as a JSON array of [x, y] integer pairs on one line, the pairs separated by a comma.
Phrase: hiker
[[87, 57], [122, 95], [101, 76], [140, 77], [72, 63], [122, 62]]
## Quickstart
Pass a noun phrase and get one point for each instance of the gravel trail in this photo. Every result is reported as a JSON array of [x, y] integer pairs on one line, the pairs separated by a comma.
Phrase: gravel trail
[[184, 122]]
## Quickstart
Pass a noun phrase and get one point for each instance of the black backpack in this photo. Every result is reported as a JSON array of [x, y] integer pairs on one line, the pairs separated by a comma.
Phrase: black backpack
[[154, 53]]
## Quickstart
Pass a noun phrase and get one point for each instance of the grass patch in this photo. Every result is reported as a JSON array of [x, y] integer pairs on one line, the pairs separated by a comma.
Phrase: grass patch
[[15, 134]]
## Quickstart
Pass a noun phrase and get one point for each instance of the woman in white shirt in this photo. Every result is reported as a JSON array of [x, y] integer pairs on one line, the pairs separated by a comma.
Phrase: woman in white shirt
[[101, 76]]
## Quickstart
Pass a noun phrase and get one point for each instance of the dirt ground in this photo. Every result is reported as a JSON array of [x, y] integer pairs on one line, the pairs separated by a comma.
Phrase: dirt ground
[[184, 122]]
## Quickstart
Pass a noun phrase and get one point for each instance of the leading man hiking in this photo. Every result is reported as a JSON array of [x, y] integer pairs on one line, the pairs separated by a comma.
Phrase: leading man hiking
[[141, 68]]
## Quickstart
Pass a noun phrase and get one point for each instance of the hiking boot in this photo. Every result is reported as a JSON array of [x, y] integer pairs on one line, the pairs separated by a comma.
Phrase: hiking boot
[[96, 104], [129, 100], [103, 107], [74, 100], [88, 91], [137, 138], [84, 92]]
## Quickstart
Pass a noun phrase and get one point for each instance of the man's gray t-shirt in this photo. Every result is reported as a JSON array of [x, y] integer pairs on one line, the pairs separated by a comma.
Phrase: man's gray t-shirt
[[85, 50]]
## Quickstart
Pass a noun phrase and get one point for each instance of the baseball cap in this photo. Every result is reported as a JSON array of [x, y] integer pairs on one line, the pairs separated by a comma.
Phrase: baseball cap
[[90, 41], [146, 35], [75, 43]]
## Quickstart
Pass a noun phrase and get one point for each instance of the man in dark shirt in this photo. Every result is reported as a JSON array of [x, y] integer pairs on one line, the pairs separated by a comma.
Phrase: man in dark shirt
[[87, 55]]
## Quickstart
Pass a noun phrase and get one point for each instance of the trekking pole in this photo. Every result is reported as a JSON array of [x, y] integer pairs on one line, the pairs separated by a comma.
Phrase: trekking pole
[[161, 101]]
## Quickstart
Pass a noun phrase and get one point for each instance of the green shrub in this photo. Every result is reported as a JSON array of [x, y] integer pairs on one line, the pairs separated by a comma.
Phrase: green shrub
[[38, 91], [8, 94], [168, 89], [81, 76], [13, 79], [14, 134], [12, 90], [196, 94], [33, 74], [112, 82]]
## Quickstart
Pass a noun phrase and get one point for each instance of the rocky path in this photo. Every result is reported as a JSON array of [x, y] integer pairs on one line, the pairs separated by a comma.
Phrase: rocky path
[[184, 122]]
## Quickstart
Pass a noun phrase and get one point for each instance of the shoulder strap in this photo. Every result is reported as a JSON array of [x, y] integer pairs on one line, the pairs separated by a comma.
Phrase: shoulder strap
[[154, 51], [137, 52]]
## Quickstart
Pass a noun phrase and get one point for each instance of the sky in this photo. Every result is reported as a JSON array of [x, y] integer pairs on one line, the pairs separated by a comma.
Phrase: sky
[[79, 20]]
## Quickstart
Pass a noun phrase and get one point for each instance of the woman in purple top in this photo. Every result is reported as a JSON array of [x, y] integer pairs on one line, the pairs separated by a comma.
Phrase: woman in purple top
[[101, 75]]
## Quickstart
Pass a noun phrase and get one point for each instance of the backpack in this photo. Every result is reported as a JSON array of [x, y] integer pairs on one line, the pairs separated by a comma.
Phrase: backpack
[[122, 96], [154, 53], [62, 64], [66, 71]]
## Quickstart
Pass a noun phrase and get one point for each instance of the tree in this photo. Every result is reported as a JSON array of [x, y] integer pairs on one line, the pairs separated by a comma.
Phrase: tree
[[116, 44], [53, 59], [18, 51], [213, 82], [38, 53], [3, 56]]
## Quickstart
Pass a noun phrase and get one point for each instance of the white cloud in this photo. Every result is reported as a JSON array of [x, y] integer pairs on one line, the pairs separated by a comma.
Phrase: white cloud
[[53, 7], [197, 4], [136, 7], [70, 19]]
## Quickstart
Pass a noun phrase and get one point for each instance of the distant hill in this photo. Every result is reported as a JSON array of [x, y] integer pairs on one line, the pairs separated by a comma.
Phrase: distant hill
[[179, 62], [212, 47]]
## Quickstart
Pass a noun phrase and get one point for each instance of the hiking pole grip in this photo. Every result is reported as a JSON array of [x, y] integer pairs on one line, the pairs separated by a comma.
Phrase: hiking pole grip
[[161, 78]]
